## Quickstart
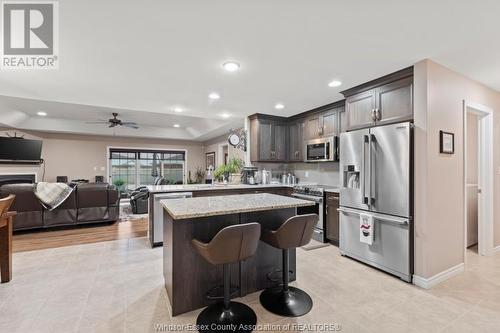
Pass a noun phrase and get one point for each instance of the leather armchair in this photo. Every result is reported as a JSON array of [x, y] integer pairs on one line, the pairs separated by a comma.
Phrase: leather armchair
[[139, 200]]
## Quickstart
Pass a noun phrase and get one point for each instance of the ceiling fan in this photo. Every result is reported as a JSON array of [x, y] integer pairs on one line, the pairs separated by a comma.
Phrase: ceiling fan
[[113, 122]]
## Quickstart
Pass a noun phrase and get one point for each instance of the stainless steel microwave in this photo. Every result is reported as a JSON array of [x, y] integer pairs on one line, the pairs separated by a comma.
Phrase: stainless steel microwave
[[321, 150]]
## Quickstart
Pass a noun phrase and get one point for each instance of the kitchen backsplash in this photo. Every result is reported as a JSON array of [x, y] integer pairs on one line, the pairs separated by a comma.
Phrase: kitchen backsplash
[[320, 173]]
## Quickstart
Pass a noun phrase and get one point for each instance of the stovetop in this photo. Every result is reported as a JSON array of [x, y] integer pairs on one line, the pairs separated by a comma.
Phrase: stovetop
[[314, 190]]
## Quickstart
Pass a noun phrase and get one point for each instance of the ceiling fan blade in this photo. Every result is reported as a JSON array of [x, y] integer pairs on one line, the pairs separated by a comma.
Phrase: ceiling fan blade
[[130, 125], [112, 125], [97, 122]]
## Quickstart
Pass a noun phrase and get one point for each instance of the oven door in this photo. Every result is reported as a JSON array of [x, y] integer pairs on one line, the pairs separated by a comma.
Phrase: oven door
[[317, 208]]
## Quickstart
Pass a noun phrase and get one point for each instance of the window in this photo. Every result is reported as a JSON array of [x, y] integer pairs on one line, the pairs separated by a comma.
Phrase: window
[[135, 168]]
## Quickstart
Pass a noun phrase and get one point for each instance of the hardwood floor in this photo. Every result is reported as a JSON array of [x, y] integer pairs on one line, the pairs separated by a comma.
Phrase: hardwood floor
[[45, 239]]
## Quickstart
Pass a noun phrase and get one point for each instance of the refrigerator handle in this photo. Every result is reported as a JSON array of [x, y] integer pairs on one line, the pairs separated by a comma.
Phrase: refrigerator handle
[[370, 140], [363, 173]]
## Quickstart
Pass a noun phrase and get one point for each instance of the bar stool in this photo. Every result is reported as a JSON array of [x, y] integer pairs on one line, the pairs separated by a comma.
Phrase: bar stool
[[230, 245], [285, 300]]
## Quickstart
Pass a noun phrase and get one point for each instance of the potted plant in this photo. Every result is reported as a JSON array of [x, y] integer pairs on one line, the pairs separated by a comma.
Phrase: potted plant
[[234, 166], [119, 185]]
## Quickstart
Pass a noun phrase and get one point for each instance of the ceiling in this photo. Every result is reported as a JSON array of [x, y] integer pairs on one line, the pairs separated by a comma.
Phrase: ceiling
[[143, 58]]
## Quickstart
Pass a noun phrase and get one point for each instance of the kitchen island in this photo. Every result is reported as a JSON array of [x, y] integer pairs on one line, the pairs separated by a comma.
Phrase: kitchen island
[[187, 275]]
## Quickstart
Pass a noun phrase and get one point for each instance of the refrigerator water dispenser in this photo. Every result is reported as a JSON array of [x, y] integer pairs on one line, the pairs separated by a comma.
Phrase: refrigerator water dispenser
[[351, 176]]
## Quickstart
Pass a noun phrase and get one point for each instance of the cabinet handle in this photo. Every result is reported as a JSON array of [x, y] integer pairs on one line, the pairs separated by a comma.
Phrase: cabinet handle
[[326, 210], [378, 114], [374, 116]]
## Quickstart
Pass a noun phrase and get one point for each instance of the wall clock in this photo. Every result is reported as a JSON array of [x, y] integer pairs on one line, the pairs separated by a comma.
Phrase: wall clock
[[237, 139]]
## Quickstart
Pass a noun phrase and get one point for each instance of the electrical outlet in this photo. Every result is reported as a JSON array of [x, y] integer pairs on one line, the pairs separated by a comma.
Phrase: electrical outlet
[[306, 174], [95, 168]]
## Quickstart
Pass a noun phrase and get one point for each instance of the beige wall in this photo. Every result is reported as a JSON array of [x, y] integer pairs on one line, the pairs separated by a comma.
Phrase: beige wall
[[216, 144], [79, 156], [439, 221]]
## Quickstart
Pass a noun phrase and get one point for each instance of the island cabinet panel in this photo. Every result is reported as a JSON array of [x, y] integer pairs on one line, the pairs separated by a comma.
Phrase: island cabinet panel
[[187, 275], [267, 258]]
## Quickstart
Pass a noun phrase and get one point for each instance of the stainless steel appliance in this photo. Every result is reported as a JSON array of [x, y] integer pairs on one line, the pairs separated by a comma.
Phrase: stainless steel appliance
[[156, 232], [315, 194], [248, 175], [376, 179], [321, 150]]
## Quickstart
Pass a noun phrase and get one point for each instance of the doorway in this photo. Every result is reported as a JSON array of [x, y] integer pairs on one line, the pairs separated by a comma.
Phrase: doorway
[[478, 178]]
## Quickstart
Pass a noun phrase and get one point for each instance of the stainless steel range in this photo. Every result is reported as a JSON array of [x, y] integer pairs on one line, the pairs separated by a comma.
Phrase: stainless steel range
[[313, 193]]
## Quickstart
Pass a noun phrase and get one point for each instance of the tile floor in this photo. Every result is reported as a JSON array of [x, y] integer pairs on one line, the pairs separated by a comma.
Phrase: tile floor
[[117, 286]]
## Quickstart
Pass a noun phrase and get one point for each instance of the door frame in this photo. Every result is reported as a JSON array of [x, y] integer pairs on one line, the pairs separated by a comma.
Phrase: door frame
[[485, 177]]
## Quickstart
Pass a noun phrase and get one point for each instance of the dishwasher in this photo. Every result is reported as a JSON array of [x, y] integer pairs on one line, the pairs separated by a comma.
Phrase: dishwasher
[[156, 232]]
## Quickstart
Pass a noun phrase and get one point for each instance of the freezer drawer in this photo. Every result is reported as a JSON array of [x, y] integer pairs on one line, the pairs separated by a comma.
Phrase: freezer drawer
[[390, 250]]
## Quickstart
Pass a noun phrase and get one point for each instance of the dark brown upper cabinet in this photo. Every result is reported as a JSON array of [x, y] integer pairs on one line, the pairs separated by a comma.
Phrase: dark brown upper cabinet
[[323, 124], [268, 139], [296, 141], [383, 101]]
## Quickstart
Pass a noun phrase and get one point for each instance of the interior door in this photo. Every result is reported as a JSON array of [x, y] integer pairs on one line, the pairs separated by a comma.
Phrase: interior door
[[390, 169], [353, 168]]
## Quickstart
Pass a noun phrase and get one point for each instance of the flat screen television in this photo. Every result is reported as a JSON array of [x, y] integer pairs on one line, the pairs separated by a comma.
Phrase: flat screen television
[[20, 150]]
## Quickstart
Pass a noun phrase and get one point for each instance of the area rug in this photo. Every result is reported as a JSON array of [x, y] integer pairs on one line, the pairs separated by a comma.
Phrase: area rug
[[126, 212]]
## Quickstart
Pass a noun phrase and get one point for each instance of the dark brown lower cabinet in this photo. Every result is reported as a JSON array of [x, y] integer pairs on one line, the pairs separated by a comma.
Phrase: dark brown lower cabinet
[[332, 217]]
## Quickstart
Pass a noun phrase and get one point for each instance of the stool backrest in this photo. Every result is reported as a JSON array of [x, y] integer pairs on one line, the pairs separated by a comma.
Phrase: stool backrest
[[5, 203], [232, 244], [297, 231]]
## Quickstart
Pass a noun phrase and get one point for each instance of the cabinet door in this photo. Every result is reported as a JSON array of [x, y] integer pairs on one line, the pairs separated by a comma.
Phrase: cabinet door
[[295, 141], [330, 126], [265, 140], [395, 101], [279, 151], [360, 109], [332, 217], [312, 128], [342, 120]]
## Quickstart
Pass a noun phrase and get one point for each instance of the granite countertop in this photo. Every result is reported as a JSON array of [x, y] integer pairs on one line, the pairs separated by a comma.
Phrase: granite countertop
[[185, 208], [208, 187]]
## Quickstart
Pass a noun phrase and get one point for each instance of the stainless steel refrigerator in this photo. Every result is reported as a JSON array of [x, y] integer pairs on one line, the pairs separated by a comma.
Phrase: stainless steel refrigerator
[[376, 180]]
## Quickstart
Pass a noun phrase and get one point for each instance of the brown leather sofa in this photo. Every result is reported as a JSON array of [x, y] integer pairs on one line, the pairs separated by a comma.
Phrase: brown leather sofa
[[88, 203]]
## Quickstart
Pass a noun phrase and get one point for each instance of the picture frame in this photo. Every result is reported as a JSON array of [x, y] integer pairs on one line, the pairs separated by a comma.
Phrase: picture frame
[[446, 142], [210, 159]]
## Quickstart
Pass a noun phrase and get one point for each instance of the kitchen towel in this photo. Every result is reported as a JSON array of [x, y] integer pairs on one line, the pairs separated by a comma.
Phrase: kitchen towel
[[366, 229]]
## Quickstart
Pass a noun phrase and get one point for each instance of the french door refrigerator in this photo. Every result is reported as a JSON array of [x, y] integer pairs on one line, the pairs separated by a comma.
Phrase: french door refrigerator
[[376, 180]]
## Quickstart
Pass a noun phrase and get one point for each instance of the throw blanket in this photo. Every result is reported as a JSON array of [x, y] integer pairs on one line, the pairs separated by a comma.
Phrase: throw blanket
[[51, 195]]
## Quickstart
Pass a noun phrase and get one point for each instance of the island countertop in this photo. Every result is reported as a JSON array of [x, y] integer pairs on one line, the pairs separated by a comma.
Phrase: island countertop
[[186, 208]]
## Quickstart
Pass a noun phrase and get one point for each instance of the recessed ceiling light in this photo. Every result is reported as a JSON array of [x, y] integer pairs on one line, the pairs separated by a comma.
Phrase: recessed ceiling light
[[177, 125], [225, 115], [178, 109], [335, 83], [231, 66], [41, 113], [279, 106], [214, 95]]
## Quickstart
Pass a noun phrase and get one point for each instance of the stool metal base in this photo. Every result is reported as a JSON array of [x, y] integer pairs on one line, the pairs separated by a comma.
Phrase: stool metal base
[[239, 318], [292, 303]]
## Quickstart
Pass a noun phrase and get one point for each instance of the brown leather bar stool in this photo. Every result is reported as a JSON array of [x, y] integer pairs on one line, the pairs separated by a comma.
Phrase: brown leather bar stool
[[285, 300], [230, 245]]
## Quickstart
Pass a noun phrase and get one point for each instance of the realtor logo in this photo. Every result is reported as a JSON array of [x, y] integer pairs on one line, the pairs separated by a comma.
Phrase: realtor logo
[[29, 35]]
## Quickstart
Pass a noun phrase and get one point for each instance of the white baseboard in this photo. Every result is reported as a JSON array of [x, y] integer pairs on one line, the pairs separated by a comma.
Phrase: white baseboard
[[428, 283], [496, 249]]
